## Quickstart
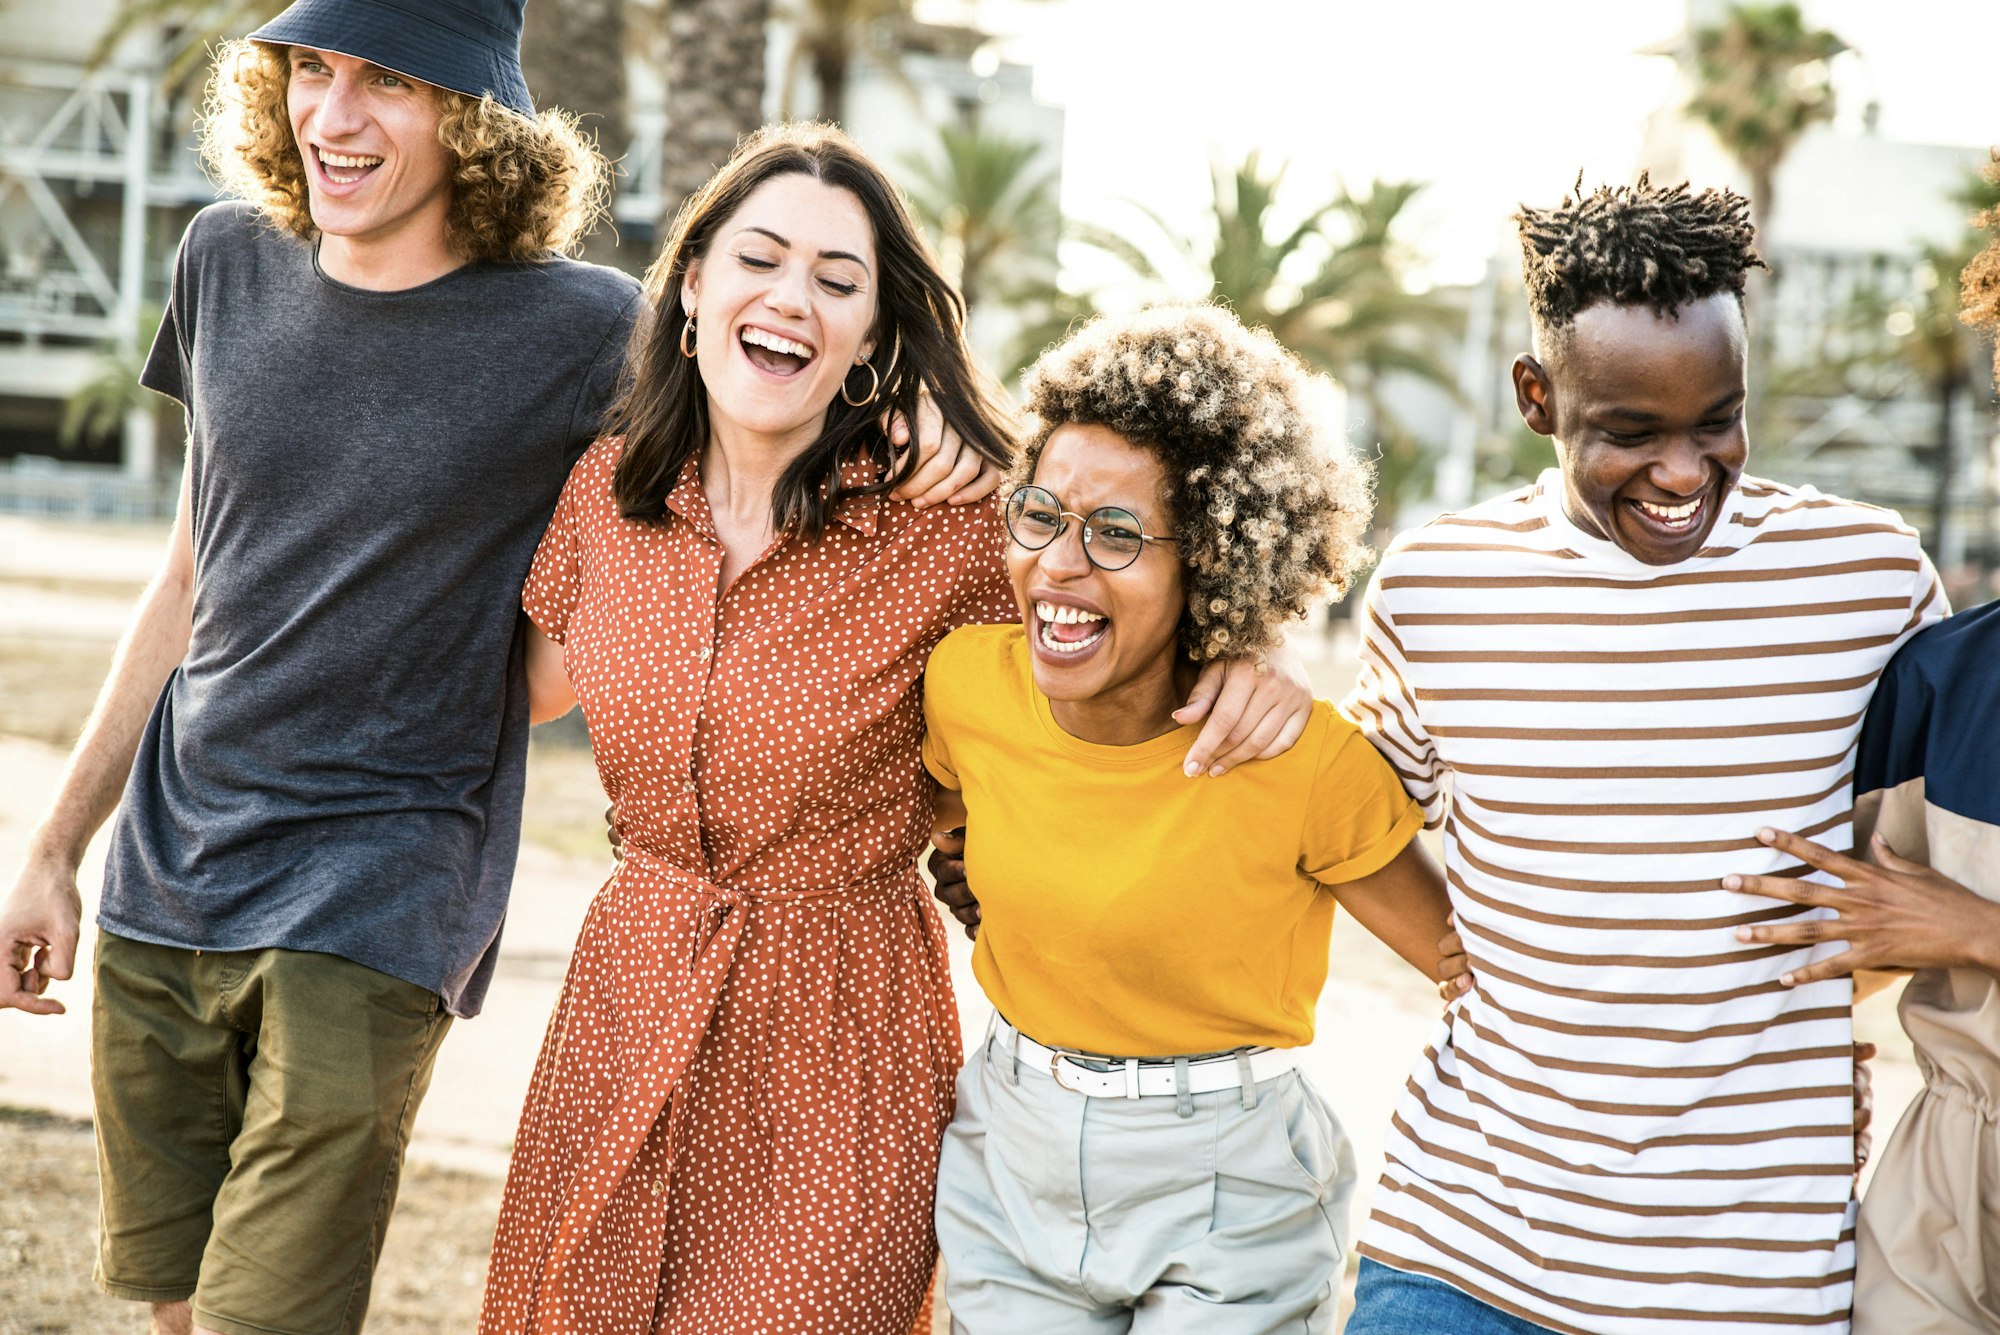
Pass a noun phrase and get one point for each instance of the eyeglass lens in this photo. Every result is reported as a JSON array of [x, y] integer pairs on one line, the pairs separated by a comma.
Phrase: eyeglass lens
[[1112, 535]]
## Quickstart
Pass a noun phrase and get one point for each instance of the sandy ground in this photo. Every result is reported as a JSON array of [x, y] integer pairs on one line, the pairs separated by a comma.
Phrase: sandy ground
[[64, 595]]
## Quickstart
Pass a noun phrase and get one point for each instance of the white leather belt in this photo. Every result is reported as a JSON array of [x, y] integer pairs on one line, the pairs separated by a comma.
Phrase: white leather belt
[[1131, 1078]]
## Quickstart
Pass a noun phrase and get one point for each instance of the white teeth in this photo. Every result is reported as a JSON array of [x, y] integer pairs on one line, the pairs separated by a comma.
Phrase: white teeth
[[1052, 615], [776, 343], [1056, 646], [347, 160], [1672, 514], [1063, 614]]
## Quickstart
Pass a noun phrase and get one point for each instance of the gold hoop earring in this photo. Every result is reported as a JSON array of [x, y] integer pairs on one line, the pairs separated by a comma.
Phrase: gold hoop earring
[[688, 337], [874, 387]]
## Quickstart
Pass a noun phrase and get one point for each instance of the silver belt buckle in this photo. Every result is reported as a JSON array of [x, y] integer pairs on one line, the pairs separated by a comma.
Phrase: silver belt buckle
[[1055, 1073]]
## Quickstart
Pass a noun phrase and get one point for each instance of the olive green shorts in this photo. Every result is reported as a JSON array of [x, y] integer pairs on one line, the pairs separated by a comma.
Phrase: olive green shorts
[[252, 1111]]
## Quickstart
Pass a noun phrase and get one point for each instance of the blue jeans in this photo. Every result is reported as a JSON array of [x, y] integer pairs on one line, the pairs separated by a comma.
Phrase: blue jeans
[[1388, 1301]]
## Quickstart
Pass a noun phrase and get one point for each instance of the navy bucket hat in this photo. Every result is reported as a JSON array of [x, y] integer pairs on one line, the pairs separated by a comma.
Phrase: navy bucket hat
[[468, 46]]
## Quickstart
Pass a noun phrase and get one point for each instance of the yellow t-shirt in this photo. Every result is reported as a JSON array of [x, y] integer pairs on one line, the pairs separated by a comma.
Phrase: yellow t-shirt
[[1126, 909]]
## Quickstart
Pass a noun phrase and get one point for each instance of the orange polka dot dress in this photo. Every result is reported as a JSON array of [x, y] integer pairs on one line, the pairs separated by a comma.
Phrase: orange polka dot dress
[[734, 1122]]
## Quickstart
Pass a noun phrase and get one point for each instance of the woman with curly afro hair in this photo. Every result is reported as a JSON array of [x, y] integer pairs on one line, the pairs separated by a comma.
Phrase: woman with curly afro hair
[[1135, 1143]]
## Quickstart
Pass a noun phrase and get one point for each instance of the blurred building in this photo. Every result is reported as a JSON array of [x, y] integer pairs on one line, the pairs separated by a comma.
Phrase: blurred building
[[96, 183]]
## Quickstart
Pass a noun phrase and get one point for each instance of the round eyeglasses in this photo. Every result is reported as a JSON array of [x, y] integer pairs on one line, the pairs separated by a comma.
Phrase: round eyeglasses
[[1113, 537]]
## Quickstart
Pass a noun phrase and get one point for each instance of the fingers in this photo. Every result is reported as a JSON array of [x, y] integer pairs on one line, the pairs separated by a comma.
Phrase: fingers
[[1783, 887], [1294, 727], [950, 843], [58, 959], [1450, 944], [955, 895], [1794, 933], [21, 990], [1836, 966], [965, 466], [937, 448], [1207, 685], [1260, 739], [1864, 1052], [1894, 861], [1230, 701], [984, 483], [1810, 853]]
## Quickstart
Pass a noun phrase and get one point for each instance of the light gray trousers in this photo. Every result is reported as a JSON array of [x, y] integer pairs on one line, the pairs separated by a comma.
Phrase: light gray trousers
[[1061, 1214]]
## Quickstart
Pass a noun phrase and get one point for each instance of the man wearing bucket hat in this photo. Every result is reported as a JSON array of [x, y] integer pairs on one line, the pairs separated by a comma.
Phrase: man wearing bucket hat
[[318, 720]]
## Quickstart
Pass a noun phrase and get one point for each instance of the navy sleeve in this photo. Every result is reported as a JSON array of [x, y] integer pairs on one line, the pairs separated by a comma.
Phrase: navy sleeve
[[1893, 736]]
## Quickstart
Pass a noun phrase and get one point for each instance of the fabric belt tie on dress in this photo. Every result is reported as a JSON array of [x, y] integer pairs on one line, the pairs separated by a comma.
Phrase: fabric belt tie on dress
[[641, 1101]]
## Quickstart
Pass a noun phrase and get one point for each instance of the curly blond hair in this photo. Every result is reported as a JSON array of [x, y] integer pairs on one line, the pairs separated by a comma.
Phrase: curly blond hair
[[1268, 503], [1979, 285], [521, 189]]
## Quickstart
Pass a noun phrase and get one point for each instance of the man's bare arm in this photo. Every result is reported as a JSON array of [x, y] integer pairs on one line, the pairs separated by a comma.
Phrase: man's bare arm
[[39, 918]]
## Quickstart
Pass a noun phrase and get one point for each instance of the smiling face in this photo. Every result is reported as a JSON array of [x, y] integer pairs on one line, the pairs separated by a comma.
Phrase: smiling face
[[1108, 638], [375, 171], [1647, 415], [784, 301]]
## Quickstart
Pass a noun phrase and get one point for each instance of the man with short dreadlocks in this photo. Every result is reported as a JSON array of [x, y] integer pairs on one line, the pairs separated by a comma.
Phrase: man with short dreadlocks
[[1604, 686]]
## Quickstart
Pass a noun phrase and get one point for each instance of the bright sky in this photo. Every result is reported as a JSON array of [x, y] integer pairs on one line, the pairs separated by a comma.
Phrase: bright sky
[[1492, 103]]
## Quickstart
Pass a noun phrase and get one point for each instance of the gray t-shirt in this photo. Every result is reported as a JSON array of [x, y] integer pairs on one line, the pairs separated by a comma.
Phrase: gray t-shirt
[[337, 765]]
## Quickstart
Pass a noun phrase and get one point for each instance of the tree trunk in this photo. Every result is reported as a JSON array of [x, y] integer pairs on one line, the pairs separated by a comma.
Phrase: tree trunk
[[715, 90], [573, 52], [830, 73]]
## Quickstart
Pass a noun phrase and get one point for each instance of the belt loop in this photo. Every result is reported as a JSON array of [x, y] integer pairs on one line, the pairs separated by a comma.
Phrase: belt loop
[[1013, 1053], [1183, 1100], [1248, 1077], [1131, 1077]]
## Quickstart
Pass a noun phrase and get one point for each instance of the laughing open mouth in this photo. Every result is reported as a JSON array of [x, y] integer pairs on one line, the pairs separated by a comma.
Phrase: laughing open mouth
[[774, 352], [1682, 518], [345, 168], [1068, 630]]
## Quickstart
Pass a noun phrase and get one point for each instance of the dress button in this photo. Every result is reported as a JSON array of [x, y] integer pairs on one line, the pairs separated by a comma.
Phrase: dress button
[[688, 787], [658, 1186], [707, 652]]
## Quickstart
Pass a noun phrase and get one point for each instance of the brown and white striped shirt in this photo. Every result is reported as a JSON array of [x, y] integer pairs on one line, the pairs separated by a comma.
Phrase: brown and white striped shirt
[[1630, 1125]]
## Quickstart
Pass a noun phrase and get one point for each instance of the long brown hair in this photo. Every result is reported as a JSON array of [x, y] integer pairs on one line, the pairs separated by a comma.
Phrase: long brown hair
[[662, 408]]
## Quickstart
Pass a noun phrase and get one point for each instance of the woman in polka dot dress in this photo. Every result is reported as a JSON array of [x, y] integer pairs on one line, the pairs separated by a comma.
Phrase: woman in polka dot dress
[[735, 1120]]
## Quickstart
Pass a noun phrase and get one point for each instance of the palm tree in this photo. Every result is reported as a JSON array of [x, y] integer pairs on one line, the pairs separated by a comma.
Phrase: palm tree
[[1759, 82], [99, 409], [990, 206], [715, 89], [827, 37], [1331, 287]]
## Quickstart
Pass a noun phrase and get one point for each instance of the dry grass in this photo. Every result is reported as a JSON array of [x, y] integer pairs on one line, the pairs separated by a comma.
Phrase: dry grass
[[433, 1265], [48, 686]]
